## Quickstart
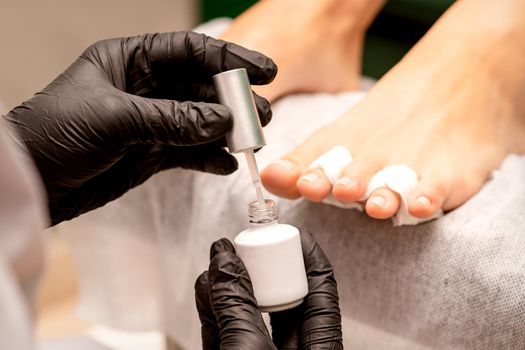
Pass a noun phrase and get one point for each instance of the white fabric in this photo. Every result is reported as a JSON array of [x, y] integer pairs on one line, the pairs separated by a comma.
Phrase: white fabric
[[332, 163], [22, 218], [399, 178]]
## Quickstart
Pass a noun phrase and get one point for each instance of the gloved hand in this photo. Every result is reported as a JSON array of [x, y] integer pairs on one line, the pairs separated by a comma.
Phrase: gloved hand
[[128, 108], [230, 318]]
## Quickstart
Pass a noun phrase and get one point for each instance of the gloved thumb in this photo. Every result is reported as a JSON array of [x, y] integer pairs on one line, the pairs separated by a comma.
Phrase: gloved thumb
[[176, 123], [209, 329], [231, 296]]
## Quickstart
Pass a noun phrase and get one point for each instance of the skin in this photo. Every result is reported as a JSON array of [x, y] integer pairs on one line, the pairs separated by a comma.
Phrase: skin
[[332, 47], [452, 109]]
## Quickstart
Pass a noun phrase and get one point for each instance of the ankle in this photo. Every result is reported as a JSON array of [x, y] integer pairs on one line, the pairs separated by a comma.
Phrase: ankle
[[349, 16]]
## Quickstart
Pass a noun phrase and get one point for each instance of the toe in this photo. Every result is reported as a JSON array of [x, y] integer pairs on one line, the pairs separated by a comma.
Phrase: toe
[[428, 197], [351, 186], [382, 203], [347, 189], [463, 187], [280, 178], [314, 185]]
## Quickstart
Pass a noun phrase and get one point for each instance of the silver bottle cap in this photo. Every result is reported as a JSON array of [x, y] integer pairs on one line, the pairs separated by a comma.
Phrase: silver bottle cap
[[234, 91]]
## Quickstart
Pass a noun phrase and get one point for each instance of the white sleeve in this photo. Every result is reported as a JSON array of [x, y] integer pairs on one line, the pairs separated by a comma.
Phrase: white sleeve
[[15, 318], [22, 219]]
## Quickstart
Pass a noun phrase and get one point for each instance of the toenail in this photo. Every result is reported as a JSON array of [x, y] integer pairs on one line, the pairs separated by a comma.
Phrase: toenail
[[345, 181], [378, 201], [311, 177], [423, 201], [283, 163]]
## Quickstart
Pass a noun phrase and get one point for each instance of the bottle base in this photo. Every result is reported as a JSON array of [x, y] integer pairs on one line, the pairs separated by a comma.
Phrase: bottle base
[[281, 307]]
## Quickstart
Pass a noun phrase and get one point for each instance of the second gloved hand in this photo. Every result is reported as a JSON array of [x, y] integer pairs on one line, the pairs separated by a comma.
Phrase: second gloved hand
[[230, 318], [128, 108]]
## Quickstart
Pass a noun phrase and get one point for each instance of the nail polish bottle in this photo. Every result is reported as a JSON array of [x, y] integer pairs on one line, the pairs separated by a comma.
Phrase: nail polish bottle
[[270, 251], [273, 257]]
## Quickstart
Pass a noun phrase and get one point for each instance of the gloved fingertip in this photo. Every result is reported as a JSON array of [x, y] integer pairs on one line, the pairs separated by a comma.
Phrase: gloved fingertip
[[261, 68], [220, 246], [273, 70], [202, 295], [226, 171], [201, 283], [224, 164], [270, 70], [307, 240], [315, 260], [264, 109]]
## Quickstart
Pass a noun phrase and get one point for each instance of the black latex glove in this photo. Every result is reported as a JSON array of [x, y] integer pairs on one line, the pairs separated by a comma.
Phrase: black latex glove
[[128, 108], [230, 318]]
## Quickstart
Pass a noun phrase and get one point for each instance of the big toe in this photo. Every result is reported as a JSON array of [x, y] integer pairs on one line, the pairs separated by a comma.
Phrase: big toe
[[436, 191], [428, 197], [280, 178]]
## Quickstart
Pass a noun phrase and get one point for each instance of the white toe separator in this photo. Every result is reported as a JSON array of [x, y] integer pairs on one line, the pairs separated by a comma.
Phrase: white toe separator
[[332, 164], [399, 178]]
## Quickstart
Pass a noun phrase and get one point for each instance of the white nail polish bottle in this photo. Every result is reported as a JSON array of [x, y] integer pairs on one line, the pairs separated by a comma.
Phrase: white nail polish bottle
[[273, 257], [270, 251]]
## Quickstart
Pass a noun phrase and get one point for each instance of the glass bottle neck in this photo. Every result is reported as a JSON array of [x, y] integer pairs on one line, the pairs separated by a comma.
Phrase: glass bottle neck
[[263, 213]]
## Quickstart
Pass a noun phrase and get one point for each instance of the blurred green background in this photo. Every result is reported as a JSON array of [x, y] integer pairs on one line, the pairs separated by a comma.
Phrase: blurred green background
[[397, 28]]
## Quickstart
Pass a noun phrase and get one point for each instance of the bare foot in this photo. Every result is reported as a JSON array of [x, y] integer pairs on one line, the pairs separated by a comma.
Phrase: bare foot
[[317, 45], [452, 109]]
